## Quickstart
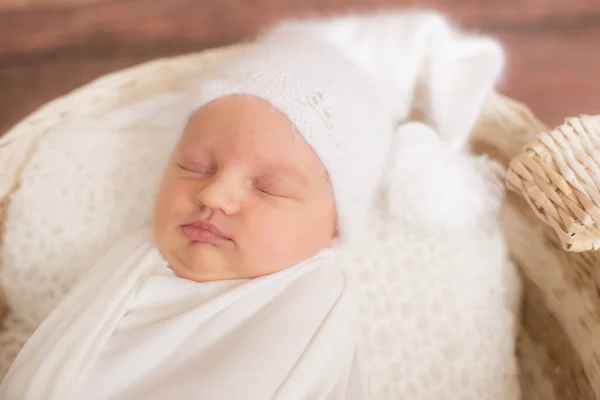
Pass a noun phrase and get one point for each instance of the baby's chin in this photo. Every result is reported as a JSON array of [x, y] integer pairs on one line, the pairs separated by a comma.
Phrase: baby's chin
[[202, 262], [208, 262]]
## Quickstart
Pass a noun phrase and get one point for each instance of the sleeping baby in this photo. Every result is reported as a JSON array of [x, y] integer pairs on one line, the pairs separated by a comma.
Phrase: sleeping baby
[[234, 293]]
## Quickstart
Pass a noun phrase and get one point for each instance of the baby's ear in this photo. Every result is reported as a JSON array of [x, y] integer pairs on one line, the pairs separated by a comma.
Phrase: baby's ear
[[435, 189], [460, 76], [335, 240]]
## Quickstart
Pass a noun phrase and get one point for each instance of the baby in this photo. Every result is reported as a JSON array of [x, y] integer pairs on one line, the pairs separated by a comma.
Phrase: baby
[[287, 133], [243, 195], [236, 295]]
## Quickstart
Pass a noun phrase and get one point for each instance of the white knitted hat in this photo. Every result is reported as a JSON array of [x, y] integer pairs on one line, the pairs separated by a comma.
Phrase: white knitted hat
[[331, 103]]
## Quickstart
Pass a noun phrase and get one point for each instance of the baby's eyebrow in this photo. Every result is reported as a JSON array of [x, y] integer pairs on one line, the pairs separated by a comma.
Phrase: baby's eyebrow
[[288, 170], [193, 153]]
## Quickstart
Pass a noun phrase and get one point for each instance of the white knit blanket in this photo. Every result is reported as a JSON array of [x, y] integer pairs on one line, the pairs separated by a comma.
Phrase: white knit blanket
[[131, 329]]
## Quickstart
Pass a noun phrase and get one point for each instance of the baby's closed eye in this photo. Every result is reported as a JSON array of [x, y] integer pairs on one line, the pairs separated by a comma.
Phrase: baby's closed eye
[[195, 168], [274, 187]]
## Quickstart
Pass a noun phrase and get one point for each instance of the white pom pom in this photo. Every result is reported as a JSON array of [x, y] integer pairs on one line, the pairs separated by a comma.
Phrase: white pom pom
[[434, 188]]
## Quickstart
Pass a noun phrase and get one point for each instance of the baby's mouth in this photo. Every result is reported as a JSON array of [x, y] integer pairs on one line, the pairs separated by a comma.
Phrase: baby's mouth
[[205, 232]]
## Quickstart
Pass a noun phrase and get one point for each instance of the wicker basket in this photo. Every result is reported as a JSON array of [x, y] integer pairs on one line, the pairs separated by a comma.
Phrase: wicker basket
[[558, 351], [559, 176]]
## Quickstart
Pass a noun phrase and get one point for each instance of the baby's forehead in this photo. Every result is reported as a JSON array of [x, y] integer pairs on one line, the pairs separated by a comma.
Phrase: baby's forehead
[[244, 125]]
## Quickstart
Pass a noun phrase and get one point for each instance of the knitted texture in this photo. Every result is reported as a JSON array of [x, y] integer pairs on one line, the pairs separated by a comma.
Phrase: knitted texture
[[90, 185], [437, 312]]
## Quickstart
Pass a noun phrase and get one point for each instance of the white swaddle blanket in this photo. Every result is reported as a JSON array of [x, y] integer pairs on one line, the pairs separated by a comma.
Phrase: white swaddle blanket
[[131, 329]]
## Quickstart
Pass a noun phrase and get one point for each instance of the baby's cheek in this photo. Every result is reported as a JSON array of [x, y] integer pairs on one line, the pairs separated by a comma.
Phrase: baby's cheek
[[175, 202], [164, 212], [271, 234], [266, 245]]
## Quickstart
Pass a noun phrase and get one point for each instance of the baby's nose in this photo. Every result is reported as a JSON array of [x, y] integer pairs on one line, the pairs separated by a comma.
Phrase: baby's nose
[[220, 194]]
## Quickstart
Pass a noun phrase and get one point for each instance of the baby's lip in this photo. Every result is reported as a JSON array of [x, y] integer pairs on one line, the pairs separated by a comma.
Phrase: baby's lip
[[209, 227]]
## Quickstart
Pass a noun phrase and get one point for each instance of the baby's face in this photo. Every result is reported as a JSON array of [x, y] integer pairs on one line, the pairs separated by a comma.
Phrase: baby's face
[[243, 195]]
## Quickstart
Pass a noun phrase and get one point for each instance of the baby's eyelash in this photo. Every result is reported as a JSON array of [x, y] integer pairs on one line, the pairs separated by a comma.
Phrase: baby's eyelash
[[183, 167], [264, 188], [264, 191]]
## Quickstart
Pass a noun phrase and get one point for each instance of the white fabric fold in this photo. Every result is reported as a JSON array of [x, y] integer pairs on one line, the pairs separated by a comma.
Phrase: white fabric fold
[[131, 329]]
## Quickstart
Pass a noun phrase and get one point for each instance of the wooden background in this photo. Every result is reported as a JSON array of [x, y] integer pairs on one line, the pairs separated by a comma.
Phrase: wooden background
[[49, 47]]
